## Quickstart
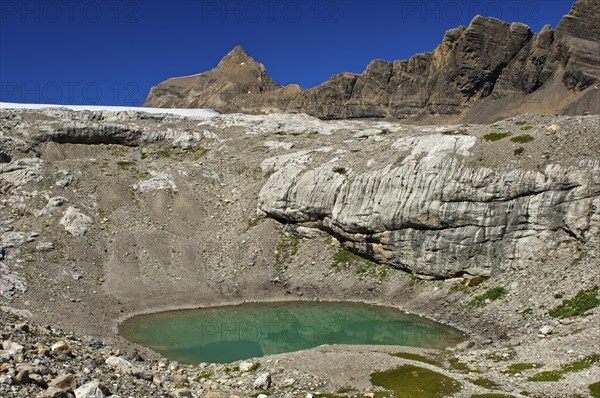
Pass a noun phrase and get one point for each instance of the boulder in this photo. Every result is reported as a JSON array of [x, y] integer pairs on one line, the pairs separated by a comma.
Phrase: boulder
[[262, 382], [92, 389], [65, 382], [75, 222]]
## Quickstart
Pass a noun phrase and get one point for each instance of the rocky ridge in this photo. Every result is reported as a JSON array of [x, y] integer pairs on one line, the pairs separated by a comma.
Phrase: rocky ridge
[[480, 73]]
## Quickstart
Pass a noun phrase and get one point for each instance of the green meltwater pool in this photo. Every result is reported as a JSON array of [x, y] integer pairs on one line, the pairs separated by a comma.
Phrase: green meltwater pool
[[231, 333]]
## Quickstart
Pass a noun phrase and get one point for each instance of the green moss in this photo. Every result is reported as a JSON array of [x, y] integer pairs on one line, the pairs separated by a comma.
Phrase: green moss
[[344, 260], [577, 366], [519, 151], [255, 221], [414, 381], [340, 170], [124, 165], [457, 365], [203, 375], [595, 389], [522, 139], [254, 366], [417, 357], [491, 137], [584, 301], [520, 367], [229, 370], [485, 383], [492, 294], [525, 128], [286, 250], [461, 131], [520, 123], [559, 295]]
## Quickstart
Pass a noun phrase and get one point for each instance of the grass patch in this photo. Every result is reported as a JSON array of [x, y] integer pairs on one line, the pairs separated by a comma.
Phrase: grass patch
[[207, 374], [229, 370], [255, 221], [286, 250], [492, 294], [340, 170], [254, 366], [414, 381], [417, 357], [522, 139], [595, 389], [459, 366], [519, 151], [491, 137], [577, 366], [584, 301], [460, 131], [344, 259], [516, 368], [485, 383], [526, 128], [124, 164]]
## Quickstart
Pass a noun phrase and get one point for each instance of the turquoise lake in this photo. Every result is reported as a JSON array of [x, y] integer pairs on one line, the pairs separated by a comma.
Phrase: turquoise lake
[[231, 333]]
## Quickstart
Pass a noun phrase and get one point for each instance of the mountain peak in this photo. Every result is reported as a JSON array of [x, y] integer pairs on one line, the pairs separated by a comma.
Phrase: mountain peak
[[236, 56], [239, 51]]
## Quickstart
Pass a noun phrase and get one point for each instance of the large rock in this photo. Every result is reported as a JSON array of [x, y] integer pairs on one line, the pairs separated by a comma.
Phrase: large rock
[[482, 72], [65, 382], [263, 382], [92, 389], [75, 222], [435, 216]]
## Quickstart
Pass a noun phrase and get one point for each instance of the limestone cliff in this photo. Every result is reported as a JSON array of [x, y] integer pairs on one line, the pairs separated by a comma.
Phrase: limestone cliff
[[484, 72], [432, 213]]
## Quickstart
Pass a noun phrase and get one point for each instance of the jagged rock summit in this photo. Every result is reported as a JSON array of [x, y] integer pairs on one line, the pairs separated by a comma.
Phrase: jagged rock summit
[[480, 73], [236, 75]]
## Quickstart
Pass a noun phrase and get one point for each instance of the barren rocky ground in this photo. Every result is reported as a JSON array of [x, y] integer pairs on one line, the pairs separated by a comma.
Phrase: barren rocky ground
[[110, 214]]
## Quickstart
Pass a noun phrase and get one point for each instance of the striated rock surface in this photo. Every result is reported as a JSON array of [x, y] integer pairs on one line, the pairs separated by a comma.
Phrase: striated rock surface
[[433, 214], [488, 70]]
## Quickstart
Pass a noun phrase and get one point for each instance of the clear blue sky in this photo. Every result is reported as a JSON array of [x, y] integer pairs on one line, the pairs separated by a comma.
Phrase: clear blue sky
[[110, 52]]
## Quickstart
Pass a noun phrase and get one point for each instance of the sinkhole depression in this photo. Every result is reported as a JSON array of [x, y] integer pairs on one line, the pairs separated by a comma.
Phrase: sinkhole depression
[[230, 333]]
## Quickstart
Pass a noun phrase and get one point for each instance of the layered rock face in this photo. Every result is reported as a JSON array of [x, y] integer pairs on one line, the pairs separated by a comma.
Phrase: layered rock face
[[491, 65], [434, 215], [236, 75]]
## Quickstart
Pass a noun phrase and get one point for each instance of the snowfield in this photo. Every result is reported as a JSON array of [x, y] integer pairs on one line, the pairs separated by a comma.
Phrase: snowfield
[[196, 113]]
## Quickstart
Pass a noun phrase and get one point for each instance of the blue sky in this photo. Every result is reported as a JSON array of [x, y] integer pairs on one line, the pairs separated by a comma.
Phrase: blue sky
[[110, 52]]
